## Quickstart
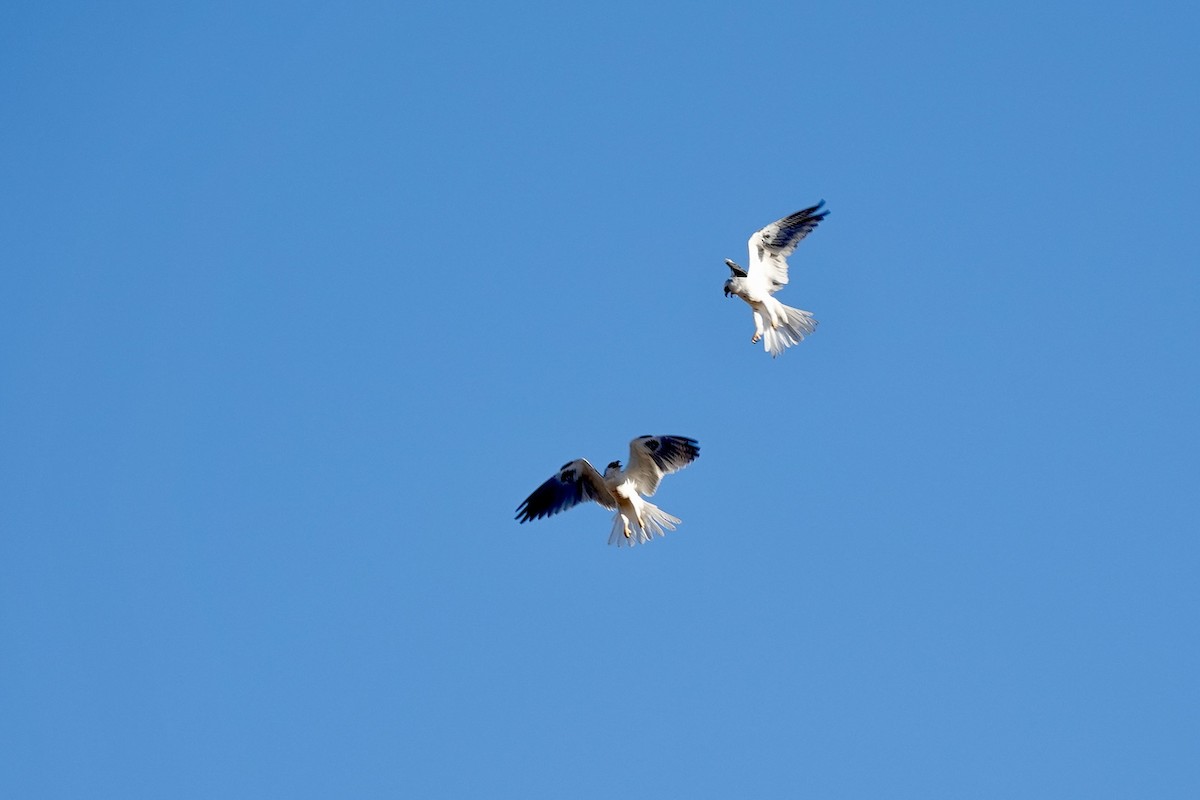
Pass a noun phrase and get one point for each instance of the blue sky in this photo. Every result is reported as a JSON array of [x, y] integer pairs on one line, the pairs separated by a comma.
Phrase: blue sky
[[301, 300]]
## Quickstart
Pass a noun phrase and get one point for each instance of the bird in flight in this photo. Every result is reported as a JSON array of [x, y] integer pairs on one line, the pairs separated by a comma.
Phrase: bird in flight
[[650, 458], [777, 325]]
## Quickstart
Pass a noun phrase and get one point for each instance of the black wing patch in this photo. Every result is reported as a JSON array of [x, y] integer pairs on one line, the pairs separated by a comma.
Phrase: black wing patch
[[565, 490], [672, 452], [790, 230], [737, 271]]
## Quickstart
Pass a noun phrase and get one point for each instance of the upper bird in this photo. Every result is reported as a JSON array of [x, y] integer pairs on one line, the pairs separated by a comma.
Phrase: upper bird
[[650, 458], [778, 326]]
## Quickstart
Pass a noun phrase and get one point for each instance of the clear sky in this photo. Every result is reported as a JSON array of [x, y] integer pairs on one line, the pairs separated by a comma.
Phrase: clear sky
[[300, 300]]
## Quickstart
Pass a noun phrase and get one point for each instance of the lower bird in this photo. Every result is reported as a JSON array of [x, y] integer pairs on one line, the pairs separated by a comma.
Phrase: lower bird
[[622, 489], [778, 326]]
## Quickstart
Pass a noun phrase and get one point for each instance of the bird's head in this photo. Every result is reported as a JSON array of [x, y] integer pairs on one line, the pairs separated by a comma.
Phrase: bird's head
[[733, 284], [613, 466]]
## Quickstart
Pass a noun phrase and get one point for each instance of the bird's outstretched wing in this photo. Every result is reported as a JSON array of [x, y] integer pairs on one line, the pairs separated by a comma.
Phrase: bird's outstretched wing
[[575, 483], [651, 457], [771, 246]]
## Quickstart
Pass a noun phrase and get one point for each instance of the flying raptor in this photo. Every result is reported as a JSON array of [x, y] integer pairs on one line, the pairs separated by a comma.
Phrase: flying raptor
[[777, 325], [650, 458]]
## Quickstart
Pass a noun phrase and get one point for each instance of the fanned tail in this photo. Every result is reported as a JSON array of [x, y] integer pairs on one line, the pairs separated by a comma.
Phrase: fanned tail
[[655, 521], [795, 326]]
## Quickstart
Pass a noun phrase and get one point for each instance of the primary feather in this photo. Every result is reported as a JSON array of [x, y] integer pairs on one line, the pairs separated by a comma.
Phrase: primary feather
[[652, 457], [576, 482]]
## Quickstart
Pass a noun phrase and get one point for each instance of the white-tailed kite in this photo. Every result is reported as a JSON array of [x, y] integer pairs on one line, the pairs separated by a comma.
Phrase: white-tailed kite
[[778, 326], [650, 458]]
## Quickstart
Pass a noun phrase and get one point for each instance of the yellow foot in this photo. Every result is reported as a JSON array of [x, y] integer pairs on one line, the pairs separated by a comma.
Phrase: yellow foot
[[628, 533], [755, 338]]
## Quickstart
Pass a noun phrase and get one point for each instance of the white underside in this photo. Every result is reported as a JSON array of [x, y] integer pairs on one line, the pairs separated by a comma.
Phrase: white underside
[[781, 326], [653, 521]]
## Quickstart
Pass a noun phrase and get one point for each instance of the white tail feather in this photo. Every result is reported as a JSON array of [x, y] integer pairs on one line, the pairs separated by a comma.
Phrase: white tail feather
[[655, 521], [796, 324]]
